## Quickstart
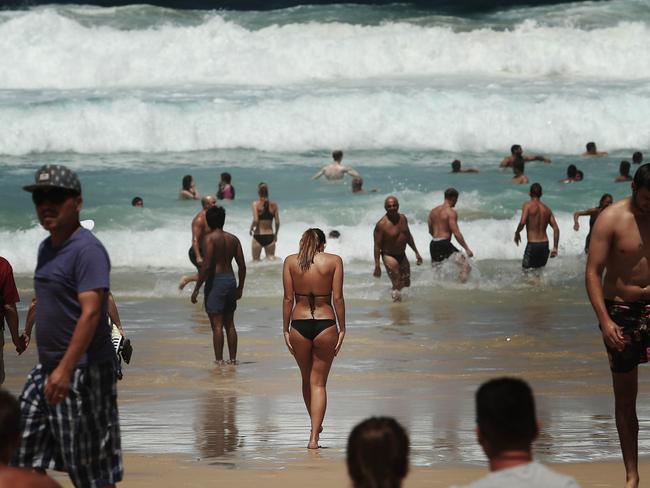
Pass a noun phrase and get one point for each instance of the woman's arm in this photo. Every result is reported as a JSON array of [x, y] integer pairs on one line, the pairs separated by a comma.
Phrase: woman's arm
[[339, 301], [276, 214], [255, 219], [287, 302], [581, 213]]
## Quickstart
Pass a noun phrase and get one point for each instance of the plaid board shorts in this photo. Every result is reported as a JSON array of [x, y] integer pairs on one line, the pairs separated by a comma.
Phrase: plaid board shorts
[[80, 435]]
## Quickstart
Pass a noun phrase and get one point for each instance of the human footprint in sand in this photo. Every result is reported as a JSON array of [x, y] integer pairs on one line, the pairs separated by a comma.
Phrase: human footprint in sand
[[313, 280]]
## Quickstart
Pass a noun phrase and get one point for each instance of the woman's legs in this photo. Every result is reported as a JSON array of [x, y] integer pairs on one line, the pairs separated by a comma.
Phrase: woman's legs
[[302, 349], [256, 249], [270, 251], [322, 357]]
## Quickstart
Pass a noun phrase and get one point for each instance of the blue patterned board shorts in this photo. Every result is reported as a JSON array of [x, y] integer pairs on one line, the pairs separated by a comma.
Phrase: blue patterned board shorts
[[80, 435], [634, 319]]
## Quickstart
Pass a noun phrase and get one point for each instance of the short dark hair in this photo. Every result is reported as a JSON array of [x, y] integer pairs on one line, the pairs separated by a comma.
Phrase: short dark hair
[[455, 165], [136, 200], [637, 157], [187, 182], [514, 147], [337, 155], [591, 146], [571, 171], [536, 190], [603, 198], [451, 193], [334, 234], [215, 217], [642, 177], [505, 414], [378, 453], [580, 175], [624, 168], [9, 419], [518, 165], [226, 177]]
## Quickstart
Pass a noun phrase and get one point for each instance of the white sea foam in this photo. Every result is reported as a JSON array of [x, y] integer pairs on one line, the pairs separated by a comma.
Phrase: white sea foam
[[426, 118], [43, 48]]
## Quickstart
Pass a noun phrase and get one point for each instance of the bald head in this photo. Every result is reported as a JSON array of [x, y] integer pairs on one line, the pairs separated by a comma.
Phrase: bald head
[[208, 201], [391, 204]]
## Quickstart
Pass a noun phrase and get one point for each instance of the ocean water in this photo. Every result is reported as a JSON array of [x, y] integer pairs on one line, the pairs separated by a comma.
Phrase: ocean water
[[133, 98]]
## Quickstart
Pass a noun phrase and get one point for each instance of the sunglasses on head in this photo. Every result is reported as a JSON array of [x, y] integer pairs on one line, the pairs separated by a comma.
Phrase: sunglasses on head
[[53, 195]]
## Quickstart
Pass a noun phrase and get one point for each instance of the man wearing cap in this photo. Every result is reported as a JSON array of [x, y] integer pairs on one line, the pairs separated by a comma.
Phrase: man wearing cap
[[69, 403]]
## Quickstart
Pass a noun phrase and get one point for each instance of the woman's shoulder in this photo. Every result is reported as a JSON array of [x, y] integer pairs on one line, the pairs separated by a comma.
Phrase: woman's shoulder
[[332, 257]]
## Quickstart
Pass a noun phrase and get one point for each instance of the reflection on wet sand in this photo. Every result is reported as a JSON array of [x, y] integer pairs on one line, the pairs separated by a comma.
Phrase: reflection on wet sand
[[216, 424]]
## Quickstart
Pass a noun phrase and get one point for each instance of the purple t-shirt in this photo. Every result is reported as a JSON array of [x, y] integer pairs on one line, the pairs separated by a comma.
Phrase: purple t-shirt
[[80, 264]]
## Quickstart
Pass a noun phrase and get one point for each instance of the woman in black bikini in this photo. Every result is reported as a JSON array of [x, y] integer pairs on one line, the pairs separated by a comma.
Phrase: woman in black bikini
[[313, 281], [264, 212]]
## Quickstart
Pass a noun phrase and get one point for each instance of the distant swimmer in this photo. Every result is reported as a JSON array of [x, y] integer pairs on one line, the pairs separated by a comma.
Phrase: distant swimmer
[[593, 151], [605, 201], [225, 190], [391, 236], [518, 168], [637, 157], [188, 189], [619, 248], [137, 202], [455, 168], [200, 229], [264, 213], [335, 170], [516, 150], [443, 223], [357, 186], [571, 175], [623, 172], [221, 290], [312, 305], [334, 234], [580, 175], [536, 217]]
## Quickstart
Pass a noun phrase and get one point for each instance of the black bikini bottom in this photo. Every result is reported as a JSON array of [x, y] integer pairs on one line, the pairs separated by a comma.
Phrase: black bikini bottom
[[264, 239], [310, 328]]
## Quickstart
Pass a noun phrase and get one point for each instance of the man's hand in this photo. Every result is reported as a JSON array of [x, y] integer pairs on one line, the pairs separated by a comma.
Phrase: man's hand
[[339, 343], [58, 385], [25, 338], [470, 254], [517, 238], [613, 335], [554, 252], [377, 272], [240, 292], [19, 342], [195, 295], [418, 259], [199, 260], [287, 341], [576, 226]]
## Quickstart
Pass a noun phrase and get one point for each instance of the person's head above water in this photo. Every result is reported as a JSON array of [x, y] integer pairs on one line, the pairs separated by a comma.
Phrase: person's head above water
[[451, 196], [579, 175], [378, 453], [591, 147], [357, 184], [536, 190], [137, 202], [505, 416], [226, 178], [624, 168], [637, 157], [187, 182], [455, 166], [337, 155], [215, 217], [312, 242], [516, 149], [571, 171], [334, 234]]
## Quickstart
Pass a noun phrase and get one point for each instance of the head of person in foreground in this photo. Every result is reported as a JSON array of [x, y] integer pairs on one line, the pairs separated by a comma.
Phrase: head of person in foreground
[[311, 243], [378, 453]]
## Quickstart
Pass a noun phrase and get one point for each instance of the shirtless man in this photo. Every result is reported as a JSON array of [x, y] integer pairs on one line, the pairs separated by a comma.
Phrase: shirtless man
[[335, 170], [619, 244], [391, 236], [443, 222], [518, 169], [455, 168], [221, 289], [536, 217], [593, 151], [199, 230], [623, 172], [515, 151]]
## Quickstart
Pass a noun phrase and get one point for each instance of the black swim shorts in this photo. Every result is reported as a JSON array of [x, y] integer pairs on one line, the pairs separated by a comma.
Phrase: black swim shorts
[[220, 294], [535, 255], [633, 318], [441, 250], [192, 256]]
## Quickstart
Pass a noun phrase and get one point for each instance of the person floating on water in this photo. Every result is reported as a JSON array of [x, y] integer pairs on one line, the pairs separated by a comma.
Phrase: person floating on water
[[357, 186], [571, 175], [443, 223], [515, 151], [336, 170], [637, 157], [623, 172], [200, 229], [518, 168], [619, 248], [593, 151], [221, 290], [264, 213], [536, 217], [455, 168], [188, 189], [391, 235], [313, 302], [605, 201], [137, 202], [225, 190]]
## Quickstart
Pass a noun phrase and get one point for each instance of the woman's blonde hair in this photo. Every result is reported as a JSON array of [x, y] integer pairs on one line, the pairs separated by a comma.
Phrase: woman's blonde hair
[[310, 242], [263, 190]]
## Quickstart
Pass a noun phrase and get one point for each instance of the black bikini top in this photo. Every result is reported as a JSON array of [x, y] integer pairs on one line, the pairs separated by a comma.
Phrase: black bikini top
[[266, 213], [312, 300]]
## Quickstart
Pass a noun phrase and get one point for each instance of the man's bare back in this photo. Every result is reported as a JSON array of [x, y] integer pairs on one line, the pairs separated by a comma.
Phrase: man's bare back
[[538, 219], [335, 171], [439, 219], [221, 248]]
